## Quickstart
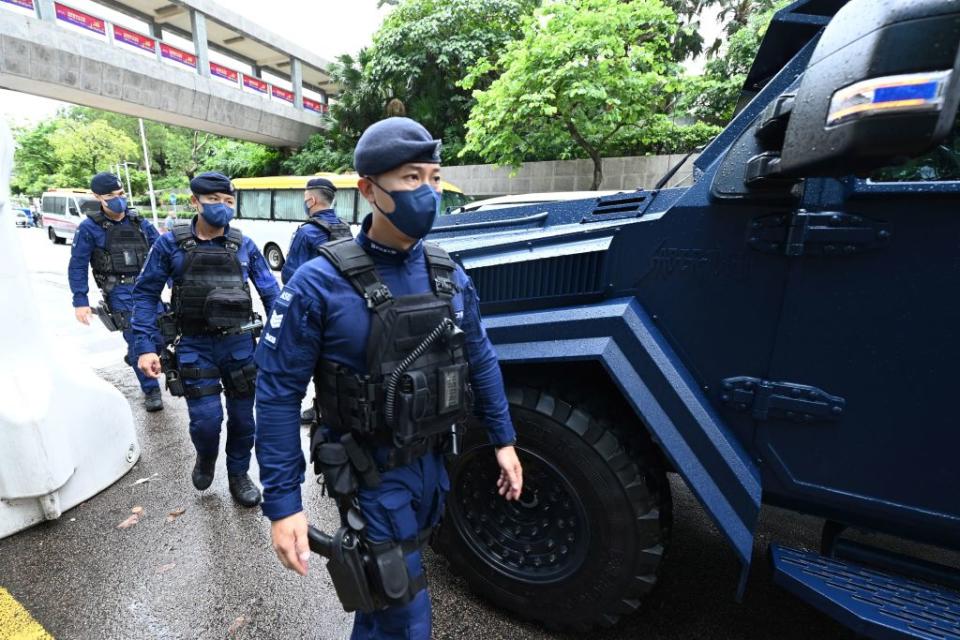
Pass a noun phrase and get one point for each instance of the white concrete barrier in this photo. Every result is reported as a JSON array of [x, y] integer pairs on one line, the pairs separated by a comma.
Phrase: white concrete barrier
[[65, 434]]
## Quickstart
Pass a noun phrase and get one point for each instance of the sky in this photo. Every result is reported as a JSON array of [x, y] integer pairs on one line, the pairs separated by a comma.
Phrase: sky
[[326, 27]]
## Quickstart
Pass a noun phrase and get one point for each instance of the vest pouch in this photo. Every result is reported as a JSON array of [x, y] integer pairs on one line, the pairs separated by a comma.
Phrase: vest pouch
[[452, 389], [227, 308], [413, 406], [338, 474]]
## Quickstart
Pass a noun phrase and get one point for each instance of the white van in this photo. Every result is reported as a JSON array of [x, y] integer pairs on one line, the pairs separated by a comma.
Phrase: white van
[[64, 209]]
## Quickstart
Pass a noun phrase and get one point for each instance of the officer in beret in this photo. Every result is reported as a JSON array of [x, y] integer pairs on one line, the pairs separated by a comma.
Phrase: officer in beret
[[113, 241], [389, 329], [322, 226], [210, 330]]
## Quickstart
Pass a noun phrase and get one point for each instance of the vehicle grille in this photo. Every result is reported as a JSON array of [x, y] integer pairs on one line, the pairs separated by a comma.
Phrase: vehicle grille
[[564, 275]]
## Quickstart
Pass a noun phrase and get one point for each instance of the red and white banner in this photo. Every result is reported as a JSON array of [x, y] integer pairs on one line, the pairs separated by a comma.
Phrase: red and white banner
[[256, 84], [80, 19], [134, 39], [313, 105], [25, 4], [178, 55], [226, 73], [283, 94]]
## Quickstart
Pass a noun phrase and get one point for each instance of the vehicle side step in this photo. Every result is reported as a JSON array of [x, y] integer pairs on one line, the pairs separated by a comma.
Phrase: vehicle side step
[[874, 604]]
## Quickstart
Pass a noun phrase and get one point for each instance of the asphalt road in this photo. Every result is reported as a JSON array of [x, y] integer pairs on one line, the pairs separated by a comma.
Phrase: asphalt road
[[210, 572]]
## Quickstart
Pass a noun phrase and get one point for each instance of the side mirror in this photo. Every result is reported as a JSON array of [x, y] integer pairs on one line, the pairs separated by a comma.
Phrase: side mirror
[[883, 85]]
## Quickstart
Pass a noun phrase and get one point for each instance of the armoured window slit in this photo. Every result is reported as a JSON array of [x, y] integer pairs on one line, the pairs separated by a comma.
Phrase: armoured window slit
[[563, 275]]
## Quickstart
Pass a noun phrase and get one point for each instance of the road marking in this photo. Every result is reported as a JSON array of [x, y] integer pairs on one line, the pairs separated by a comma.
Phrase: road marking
[[16, 623]]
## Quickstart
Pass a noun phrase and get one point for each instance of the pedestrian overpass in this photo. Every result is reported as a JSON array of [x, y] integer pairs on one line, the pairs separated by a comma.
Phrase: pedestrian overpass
[[277, 95]]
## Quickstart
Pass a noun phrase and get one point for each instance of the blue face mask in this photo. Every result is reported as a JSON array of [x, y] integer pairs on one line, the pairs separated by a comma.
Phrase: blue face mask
[[415, 210], [117, 205], [217, 214], [306, 208]]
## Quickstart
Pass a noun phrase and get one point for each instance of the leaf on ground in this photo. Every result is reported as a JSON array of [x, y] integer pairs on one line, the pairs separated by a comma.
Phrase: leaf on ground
[[129, 522], [143, 480], [137, 510], [166, 567], [238, 624]]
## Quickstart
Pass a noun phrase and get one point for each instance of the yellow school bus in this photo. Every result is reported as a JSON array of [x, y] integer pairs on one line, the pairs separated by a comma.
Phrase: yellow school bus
[[270, 209]]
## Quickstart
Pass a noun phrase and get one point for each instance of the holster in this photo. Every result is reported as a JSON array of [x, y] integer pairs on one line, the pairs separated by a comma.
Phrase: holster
[[368, 576], [168, 363], [112, 320]]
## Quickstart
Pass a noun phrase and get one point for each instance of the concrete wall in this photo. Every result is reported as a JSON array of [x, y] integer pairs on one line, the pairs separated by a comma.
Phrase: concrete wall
[[42, 58], [484, 180]]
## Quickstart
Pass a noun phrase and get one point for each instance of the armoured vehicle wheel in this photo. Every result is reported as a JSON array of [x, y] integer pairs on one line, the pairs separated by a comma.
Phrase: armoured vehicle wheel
[[274, 256], [584, 542], [54, 238]]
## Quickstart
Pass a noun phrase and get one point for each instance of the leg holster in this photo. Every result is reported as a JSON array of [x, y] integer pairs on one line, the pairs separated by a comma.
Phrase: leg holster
[[241, 383], [177, 375], [369, 576]]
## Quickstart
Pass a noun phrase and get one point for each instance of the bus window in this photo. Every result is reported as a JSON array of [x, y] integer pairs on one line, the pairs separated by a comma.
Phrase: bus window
[[344, 204], [254, 204], [288, 205]]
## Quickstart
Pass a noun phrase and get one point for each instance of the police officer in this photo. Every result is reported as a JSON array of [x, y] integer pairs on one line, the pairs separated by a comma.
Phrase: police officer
[[389, 327], [211, 327], [322, 226], [114, 242]]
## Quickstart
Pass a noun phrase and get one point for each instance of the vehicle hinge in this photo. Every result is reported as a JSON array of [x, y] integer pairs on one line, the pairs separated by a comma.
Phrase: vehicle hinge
[[766, 400], [820, 233]]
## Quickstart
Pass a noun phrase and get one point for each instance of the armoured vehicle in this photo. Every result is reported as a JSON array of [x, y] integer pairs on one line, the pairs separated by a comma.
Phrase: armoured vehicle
[[782, 331]]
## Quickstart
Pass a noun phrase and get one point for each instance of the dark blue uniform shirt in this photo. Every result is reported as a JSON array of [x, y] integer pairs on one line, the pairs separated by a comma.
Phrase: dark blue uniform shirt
[[89, 236], [165, 261], [319, 315], [303, 247]]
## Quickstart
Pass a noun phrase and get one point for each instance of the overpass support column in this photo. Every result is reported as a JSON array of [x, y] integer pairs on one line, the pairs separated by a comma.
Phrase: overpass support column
[[157, 34], [198, 24], [46, 9], [296, 79]]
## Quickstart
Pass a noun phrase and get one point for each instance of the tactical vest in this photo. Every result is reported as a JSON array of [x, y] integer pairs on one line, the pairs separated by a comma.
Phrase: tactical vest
[[123, 253], [417, 385], [335, 231], [211, 294]]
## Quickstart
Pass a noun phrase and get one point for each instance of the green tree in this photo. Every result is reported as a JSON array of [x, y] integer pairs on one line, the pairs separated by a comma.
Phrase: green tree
[[84, 148], [417, 57], [712, 97], [239, 159], [34, 159], [586, 71]]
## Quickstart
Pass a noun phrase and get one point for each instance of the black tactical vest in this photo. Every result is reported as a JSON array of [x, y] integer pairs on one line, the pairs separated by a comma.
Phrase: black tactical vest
[[210, 294], [334, 231], [123, 254], [417, 383]]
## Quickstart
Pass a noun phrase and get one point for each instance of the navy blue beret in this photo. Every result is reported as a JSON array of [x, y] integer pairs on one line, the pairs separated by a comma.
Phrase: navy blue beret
[[104, 183], [211, 182], [387, 144], [321, 183]]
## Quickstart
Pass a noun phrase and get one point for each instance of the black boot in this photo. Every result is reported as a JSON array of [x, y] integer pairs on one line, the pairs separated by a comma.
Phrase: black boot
[[244, 491], [203, 472], [153, 402]]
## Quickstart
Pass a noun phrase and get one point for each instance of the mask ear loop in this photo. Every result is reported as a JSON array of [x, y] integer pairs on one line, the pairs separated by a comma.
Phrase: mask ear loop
[[374, 203]]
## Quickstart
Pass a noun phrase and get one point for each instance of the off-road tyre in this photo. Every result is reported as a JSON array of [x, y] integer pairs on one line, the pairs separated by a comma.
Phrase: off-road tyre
[[584, 543]]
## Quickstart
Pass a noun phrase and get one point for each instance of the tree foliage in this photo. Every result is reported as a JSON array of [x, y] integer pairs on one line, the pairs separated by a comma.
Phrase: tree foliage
[[591, 76], [417, 57], [712, 97], [69, 148]]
